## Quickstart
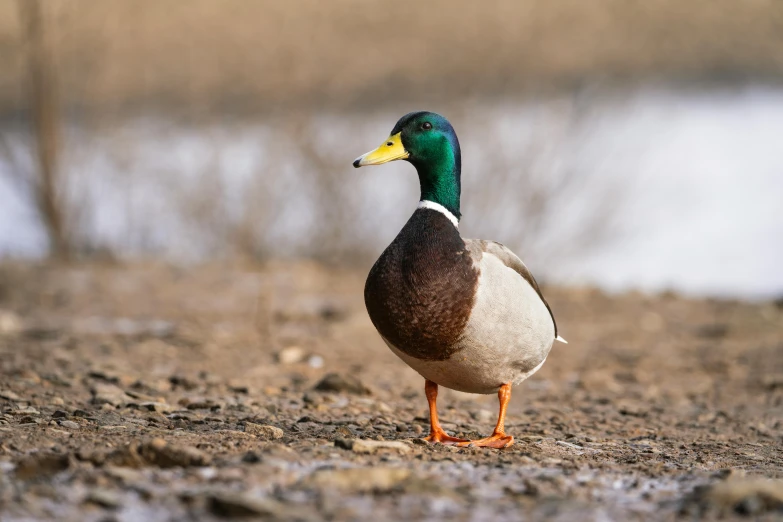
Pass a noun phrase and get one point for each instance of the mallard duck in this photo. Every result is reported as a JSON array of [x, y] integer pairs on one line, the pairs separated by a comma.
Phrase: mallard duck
[[466, 314]]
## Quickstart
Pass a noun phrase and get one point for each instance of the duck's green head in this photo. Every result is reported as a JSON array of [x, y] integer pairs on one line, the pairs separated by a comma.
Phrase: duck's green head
[[428, 141]]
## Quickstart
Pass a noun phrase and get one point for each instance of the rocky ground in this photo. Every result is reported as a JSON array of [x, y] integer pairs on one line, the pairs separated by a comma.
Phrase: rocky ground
[[156, 393]]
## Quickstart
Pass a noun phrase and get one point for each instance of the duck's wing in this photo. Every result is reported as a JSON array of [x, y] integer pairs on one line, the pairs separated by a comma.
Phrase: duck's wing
[[511, 260]]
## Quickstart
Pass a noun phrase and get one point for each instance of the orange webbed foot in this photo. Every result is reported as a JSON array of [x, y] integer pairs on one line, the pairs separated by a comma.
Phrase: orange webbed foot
[[443, 438], [496, 441]]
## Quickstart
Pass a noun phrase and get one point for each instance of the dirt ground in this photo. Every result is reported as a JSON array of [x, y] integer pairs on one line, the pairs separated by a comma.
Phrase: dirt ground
[[147, 392]]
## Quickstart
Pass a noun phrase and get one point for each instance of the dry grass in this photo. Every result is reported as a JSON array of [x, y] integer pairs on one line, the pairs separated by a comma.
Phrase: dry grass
[[203, 55]]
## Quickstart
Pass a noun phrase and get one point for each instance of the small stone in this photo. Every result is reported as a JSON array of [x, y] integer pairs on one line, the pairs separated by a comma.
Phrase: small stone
[[374, 446], [124, 475], [104, 498], [291, 355], [201, 405], [483, 416], [70, 425], [312, 398], [41, 465], [344, 443], [315, 361], [272, 391], [236, 505], [108, 394], [10, 323], [60, 414], [142, 397], [9, 395], [160, 407], [156, 452], [239, 388], [251, 457], [58, 401], [337, 383], [27, 410], [373, 479], [747, 496], [182, 382], [264, 432], [165, 455], [772, 382], [108, 376]]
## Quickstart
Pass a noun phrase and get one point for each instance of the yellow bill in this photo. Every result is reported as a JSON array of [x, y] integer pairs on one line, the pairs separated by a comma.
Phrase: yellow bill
[[390, 150]]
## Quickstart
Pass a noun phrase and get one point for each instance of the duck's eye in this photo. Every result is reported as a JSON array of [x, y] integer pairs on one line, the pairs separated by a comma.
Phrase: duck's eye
[[426, 125]]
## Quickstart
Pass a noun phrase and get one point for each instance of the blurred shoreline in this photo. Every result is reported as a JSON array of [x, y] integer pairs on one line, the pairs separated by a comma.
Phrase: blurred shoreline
[[635, 190]]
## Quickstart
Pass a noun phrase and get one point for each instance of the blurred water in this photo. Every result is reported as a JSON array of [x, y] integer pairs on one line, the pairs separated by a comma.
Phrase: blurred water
[[700, 173]]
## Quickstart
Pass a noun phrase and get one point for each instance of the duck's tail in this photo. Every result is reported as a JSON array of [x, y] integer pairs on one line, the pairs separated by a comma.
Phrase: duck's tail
[[558, 338]]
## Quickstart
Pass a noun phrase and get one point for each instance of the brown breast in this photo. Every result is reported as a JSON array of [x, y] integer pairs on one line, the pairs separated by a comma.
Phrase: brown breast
[[420, 292]]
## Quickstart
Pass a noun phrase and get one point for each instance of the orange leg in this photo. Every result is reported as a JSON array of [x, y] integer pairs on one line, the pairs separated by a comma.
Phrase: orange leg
[[498, 439], [436, 432]]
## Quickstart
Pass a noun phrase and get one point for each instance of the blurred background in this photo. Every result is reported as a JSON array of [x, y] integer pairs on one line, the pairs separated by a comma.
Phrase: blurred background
[[610, 143]]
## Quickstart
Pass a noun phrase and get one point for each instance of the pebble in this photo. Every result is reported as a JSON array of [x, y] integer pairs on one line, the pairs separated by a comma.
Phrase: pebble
[[108, 394], [40, 465], [372, 446], [291, 355], [9, 322], [70, 425], [240, 505], [770, 382], [746, 496], [251, 458], [9, 395], [156, 452], [337, 383], [264, 432], [166, 455], [125, 475], [568, 445], [239, 388], [105, 498], [160, 407], [483, 416], [375, 479], [27, 410]]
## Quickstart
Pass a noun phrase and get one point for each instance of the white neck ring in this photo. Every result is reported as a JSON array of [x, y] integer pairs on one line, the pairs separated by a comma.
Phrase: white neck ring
[[437, 207]]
